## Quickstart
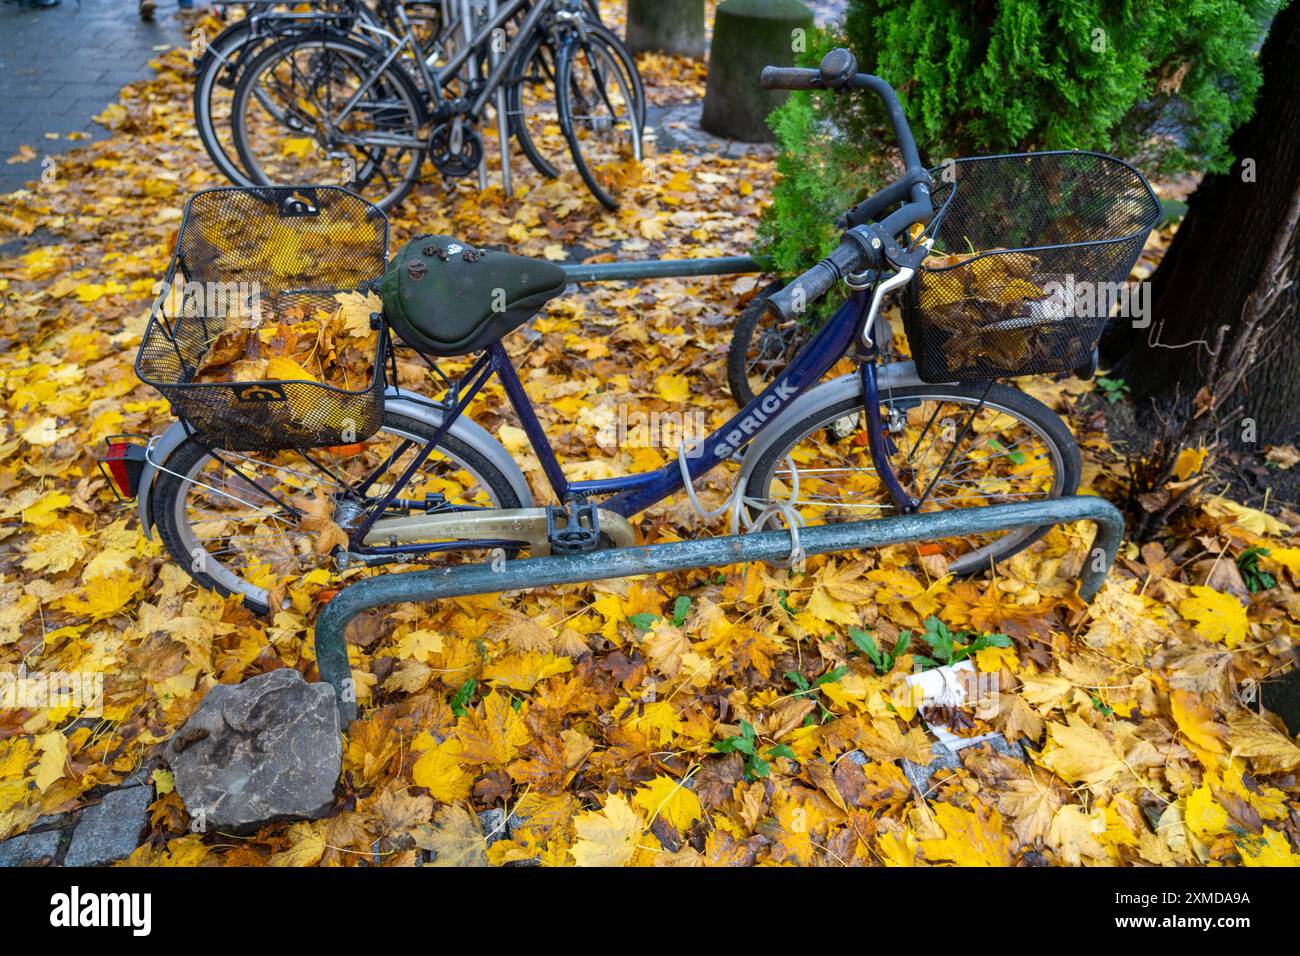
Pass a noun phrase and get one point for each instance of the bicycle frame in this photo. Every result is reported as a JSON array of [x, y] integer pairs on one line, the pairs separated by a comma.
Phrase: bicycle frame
[[435, 78], [632, 494]]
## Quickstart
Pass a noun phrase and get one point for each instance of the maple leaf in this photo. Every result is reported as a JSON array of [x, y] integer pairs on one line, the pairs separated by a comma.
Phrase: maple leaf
[[669, 799], [306, 845], [609, 836], [1270, 849], [1075, 834], [1204, 816], [1268, 750], [1080, 753], [523, 671], [318, 517], [971, 837], [665, 645], [54, 756], [439, 771], [493, 733], [104, 597], [56, 551], [456, 839], [1197, 723], [1219, 617], [674, 389]]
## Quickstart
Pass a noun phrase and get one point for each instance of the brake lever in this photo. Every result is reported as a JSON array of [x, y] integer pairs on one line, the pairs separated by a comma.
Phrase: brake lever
[[907, 262]]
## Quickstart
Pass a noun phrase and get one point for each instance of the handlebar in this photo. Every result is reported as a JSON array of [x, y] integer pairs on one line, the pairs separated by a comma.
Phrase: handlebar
[[862, 246]]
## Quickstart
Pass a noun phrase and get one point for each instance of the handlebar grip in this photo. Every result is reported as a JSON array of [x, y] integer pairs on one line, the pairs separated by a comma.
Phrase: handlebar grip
[[792, 301], [789, 78]]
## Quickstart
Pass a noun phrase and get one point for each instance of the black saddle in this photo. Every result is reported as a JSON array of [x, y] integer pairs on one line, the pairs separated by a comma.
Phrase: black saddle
[[445, 297]]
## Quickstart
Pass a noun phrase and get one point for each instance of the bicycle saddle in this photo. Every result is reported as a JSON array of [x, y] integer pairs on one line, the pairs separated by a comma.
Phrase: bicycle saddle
[[445, 297]]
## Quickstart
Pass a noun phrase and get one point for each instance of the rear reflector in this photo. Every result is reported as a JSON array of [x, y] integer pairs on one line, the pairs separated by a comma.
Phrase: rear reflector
[[124, 463]]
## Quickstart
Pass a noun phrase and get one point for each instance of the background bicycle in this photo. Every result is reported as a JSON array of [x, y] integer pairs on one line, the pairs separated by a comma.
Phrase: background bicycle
[[368, 96]]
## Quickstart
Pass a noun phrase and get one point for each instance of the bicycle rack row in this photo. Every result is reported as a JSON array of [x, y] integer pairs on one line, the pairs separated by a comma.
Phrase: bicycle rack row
[[464, 580]]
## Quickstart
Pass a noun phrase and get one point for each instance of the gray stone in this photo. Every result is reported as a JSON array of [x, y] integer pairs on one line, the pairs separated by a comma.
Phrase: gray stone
[[857, 757], [111, 829], [494, 827], [919, 775], [747, 36], [268, 749], [674, 26], [29, 848], [1015, 751]]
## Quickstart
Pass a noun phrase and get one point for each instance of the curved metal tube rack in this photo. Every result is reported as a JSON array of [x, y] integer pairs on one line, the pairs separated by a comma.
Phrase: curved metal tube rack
[[462, 580]]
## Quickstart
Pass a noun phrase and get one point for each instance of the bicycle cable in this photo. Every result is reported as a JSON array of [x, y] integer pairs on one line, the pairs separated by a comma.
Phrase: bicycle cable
[[737, 501]]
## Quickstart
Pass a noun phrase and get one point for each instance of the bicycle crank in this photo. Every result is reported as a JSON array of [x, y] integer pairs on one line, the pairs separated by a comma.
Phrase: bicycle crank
[[455, 149]]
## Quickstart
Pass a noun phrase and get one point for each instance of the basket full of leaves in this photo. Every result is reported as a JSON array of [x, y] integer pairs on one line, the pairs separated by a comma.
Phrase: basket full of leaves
[[263, 336], [1031, 252]]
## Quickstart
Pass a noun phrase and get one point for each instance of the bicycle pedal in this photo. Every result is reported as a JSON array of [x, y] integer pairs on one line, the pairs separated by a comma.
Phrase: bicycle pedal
[[573, 528]]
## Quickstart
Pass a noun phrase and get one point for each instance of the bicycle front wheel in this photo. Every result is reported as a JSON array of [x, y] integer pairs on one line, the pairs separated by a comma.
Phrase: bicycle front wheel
[[602, 111], [314, 110], [954, 446]]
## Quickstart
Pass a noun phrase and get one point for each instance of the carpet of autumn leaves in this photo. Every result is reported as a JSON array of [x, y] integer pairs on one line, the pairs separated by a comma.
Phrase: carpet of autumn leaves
[[590, 713]]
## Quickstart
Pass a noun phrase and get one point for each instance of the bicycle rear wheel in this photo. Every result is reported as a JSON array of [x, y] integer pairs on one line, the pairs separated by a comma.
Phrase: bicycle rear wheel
[[224, 519], [955, 446], [602, 111]]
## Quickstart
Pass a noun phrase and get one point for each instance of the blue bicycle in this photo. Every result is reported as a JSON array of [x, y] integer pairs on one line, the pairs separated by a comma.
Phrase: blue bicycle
[[242, 486]]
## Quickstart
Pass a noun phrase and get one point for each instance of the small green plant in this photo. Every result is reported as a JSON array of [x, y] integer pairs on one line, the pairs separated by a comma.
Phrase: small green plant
[[1248, 564], [882, 661], [811, 690], [1114, 389], [644, 621], [681, 607], [460, 699], [746, 744], [947, 647]]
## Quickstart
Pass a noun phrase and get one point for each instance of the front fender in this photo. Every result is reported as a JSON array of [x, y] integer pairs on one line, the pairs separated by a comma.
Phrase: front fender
[[404, 403], [893, 375]]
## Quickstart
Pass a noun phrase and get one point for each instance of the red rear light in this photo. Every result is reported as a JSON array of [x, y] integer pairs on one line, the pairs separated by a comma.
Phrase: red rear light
[[124, 463]]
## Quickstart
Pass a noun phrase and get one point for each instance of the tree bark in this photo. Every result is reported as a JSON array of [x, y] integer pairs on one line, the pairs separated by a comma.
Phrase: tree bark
[[1233, 262]]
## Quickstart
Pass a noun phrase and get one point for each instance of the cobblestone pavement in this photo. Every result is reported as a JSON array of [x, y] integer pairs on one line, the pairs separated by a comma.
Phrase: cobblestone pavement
[[62, 65]]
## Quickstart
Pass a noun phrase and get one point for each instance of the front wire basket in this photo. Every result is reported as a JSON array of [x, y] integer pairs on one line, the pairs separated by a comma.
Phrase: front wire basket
[[1031, 253], [244, 253]]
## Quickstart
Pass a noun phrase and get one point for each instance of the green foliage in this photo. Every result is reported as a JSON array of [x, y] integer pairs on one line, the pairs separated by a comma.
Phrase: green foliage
[[1255, 577], [746, 744], [1161, 84], [1115, 389], [882, 661], [948, 647]]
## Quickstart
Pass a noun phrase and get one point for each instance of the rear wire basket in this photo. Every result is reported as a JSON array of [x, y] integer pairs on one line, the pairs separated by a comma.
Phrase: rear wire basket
[[290, 248], [1045, 243]]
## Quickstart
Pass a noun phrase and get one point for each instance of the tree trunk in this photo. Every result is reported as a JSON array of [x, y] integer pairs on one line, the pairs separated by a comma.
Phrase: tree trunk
[[673, 26], [1230, 264]]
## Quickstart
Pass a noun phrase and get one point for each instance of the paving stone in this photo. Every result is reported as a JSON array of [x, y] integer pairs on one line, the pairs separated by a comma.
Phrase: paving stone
[[29, 849], [64, 64], [111, 829], [494, 825], [267, 749], [920, 775]]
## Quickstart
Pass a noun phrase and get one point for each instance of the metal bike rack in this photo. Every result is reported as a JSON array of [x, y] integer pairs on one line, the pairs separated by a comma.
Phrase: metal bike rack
[[462, 580], [660, 269]]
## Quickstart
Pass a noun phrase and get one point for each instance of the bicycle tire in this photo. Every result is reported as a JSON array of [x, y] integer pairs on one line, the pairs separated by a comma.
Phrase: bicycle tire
[[1067, 465], [167, 503], [394, 74], [564, 93]]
